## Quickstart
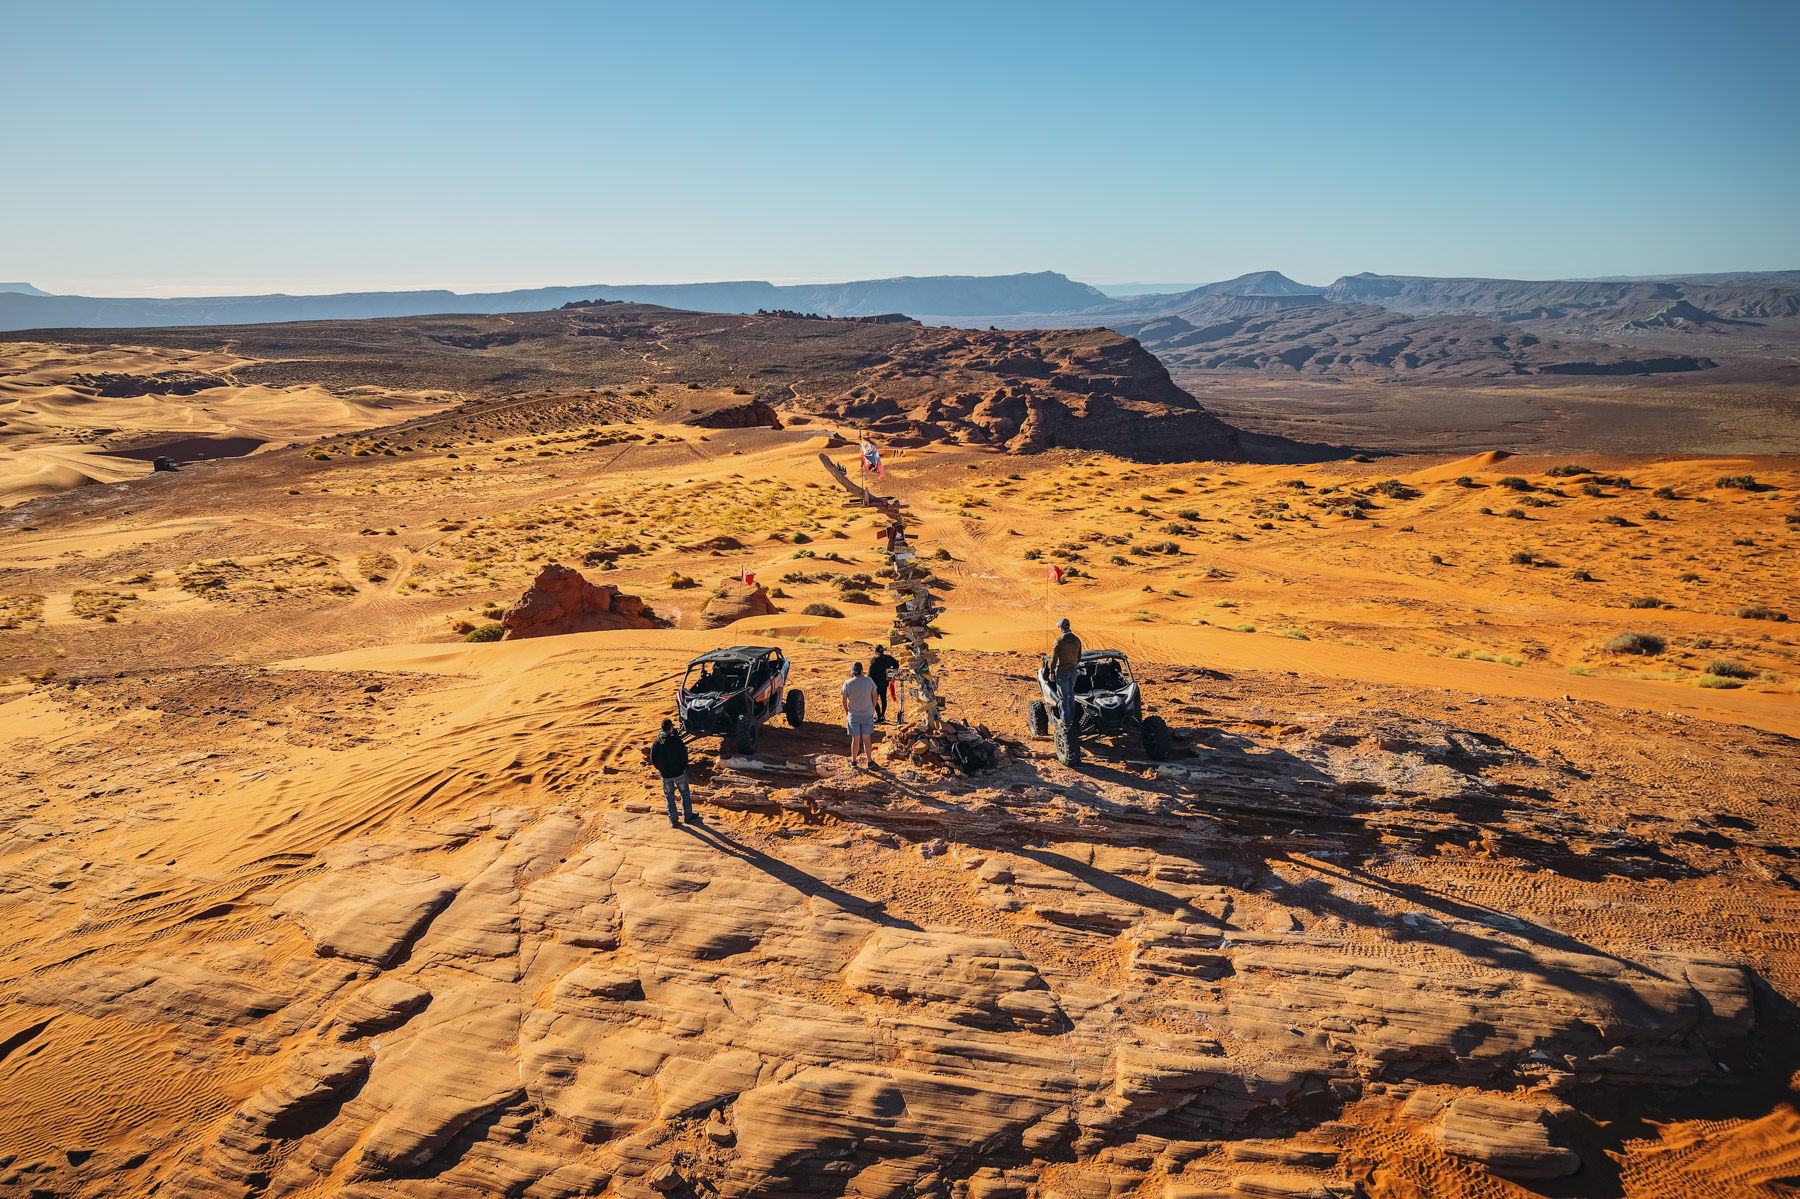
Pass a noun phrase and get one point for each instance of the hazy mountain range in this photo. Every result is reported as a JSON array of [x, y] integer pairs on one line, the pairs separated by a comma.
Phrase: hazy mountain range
[[1367, 324]]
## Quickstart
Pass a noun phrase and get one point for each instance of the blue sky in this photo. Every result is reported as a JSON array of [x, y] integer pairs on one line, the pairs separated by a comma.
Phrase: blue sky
[[193, 148]]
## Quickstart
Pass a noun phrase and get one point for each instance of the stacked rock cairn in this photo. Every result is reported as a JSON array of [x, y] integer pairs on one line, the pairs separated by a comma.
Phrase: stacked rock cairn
[[927, 734]]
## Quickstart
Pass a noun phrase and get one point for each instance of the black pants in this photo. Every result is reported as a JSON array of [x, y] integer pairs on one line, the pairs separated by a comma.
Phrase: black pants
[[881, 688]]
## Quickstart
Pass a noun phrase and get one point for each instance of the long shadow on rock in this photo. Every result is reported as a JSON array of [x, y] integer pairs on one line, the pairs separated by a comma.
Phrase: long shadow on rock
[[792, 876]]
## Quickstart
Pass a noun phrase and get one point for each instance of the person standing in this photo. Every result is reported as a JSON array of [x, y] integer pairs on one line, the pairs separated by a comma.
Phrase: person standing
[[668, 753], [858, 695], [881, 666], [1065, 660]]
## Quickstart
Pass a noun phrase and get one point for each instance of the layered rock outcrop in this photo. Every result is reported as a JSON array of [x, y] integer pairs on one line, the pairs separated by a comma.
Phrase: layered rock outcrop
[[561, 600], [734, 601]]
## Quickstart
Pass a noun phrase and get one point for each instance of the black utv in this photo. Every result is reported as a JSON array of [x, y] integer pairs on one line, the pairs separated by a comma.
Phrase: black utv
[[1107, 702], [728, 693]]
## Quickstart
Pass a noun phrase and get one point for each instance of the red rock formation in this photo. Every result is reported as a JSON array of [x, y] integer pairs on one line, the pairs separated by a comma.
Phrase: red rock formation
[[735, 602], [755, 414], [561, 601]]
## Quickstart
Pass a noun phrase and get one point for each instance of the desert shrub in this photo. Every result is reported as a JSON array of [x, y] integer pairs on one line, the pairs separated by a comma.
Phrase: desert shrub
[[1163, 547], [1296, 634], [820, 610], [795, 576], [1759, 612], [1653, 514], [1665, 492], [1464, 481], [1743, 541], [678, 581], [857, 597], [800, 539], [1119, 560], [1033, 555], [1532, 501], [1726, 668], [1485, 511], [1361, 458], [1632, 642], [940, 554], [1188, 514], [487, 632], [1582, 575], [1737, 482], [1243, 628], [1514, 483], [1719, 681], [1617, 520], [1514, 513], [805, 554], [1523, 558], [1688, 576], [1394, 489], [1567, 470], [1437, 559], [1644, 601], [1180, 529], [736, 391]]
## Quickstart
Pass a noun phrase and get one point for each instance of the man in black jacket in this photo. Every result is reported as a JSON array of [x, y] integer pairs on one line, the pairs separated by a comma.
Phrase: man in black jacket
[[668, 753], [880, 666]]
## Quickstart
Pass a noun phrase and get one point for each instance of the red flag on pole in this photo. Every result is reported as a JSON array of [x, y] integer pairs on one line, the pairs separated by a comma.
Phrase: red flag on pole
[[749, 577], [1056, 574]]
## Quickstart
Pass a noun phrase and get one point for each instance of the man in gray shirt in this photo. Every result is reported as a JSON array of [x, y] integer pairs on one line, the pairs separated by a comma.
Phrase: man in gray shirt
[[858, 695]]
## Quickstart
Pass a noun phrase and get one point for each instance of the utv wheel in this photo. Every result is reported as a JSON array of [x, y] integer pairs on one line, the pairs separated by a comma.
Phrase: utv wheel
[[1157, 739], [1038, 717], [746, 736], [1068, 744], [796, 709]]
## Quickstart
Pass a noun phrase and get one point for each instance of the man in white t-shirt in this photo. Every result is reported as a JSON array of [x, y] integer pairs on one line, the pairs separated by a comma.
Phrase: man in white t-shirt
[[858, 695]]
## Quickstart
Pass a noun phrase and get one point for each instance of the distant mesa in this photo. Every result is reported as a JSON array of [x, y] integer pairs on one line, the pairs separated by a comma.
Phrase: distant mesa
[[945, 296]]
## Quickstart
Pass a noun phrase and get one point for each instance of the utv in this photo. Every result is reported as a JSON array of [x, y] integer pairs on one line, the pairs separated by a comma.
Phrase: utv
[[1107, 702], [727, 693]]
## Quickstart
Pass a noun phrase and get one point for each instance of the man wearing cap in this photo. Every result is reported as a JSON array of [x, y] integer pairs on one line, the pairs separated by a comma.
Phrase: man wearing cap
[[668, 753], [1065, 660], [858, 694]]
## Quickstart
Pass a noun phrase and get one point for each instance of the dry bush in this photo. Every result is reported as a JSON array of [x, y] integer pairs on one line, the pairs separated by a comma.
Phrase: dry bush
[[1644, 601], [1727, 668], [375, 565], [16, 609], [820, 610], [1633, 642], [1759, 612], [100, 604]]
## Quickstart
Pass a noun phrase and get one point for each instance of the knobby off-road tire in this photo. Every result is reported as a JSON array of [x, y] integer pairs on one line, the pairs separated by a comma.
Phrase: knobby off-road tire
[[1158, 741], [1038, 717], [1068, 744], [795, 706], [746, 736]]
